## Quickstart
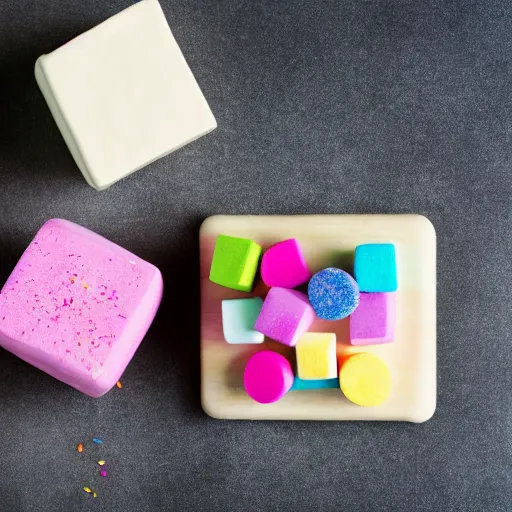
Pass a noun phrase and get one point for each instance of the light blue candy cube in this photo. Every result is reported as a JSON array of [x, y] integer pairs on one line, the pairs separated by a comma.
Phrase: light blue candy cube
[[304, 385], [375, 268], [238, 319]]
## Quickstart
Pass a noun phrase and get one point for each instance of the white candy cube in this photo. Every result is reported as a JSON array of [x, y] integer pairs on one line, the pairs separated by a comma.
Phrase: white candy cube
[[123, 95]]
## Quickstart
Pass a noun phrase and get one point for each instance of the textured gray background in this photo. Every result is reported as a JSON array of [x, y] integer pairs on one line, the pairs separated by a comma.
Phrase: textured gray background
[[327, 106]]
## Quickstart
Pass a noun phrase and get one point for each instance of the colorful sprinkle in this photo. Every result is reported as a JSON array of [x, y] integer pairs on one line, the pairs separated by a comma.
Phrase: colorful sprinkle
[[103, 473], [96, 440], [86, 489], [119, 385], [94, 495], [80, 448], [101, 462]]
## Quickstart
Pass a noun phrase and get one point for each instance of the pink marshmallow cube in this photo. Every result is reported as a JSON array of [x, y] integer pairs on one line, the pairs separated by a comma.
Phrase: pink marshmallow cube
[[284, 265], [373, 321], [285, 316], [77, 306]]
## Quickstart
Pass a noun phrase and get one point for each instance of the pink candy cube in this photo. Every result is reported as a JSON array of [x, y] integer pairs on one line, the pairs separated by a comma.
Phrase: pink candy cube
[[284, 265], [285, 316], [373, 321], [77, 306]]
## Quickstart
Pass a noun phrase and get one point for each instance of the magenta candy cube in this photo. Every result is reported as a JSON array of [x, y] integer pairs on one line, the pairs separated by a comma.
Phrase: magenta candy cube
[[77, 306], [285, 316], [284, 265], [373, 321]]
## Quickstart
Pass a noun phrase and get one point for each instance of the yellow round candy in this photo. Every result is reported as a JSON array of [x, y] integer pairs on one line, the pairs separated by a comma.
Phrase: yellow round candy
[[365, 379]]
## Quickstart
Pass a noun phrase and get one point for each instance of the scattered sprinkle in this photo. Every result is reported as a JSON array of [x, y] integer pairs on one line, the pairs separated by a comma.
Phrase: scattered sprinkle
[[80, 448], [119, 385], [96, 440], [94, 495], [103, 473], [101, 462], [86, 489]]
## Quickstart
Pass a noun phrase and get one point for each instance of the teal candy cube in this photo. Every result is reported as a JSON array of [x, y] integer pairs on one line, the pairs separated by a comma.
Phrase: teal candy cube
[[375, 268], [238, 319], [303, 385]]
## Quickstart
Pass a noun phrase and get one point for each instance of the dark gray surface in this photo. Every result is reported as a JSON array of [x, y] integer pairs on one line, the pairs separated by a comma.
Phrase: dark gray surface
[[324, 106]]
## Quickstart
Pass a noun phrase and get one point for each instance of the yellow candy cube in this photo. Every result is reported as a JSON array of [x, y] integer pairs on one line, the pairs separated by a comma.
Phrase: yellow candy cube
[[316, 356]]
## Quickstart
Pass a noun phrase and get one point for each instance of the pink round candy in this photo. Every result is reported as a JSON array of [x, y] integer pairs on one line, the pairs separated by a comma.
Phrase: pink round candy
[[268, 376]]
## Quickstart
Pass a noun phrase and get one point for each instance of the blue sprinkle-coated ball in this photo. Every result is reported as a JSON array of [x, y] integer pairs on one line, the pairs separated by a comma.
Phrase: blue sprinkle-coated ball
[[333, 293]]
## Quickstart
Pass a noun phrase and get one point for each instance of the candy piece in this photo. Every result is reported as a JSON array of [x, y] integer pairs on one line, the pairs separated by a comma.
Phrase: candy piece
[[96, 440], [316, 356], [365, 379], [284, 265], [235, 261], [333, 294], [122, 94], [101, 462], [80, 448], [305, 385], [238, 319], [103, 473], [373, 322], [268, 376], [119, 385], [87, 490], [84, 337], [285, 316], [375, 267]]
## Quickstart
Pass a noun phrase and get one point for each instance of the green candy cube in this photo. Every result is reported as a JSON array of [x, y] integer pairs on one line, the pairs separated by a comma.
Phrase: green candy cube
[[235, 262]]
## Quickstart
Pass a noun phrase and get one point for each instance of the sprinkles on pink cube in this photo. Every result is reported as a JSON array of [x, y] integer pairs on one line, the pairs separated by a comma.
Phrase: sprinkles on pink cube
[[77, 306], [284, 265], [373, 321], [285, 316]]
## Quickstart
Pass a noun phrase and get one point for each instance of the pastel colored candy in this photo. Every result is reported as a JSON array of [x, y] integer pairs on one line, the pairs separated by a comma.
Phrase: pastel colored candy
[[123, 95], [77, 306], [373, 322], [235, 262], [238, 319], [284, 265], [333, 293], [305, 385], [268, 376], [375, 267], [285, 316], [316, 356], [365, 379]]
